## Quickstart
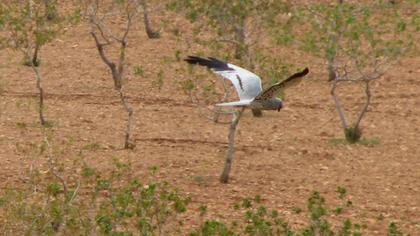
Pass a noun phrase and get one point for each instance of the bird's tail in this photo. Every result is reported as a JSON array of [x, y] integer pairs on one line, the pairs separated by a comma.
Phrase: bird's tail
[[235, 104]]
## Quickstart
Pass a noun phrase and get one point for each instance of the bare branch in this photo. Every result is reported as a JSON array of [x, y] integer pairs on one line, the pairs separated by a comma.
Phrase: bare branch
[[127, 29], [255, 30], [73, 196], [218, 110], [365, 107], [101, 31], [338, 105], [225, 40], [101, 51]]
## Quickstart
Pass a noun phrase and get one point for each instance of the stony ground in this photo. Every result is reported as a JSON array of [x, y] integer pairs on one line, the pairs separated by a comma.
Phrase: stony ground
[[283, 156]]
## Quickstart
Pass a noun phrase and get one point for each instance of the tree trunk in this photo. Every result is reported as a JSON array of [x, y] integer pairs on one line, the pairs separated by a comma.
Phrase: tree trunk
[[41, 93], [129, 110], [147, 24], [338, 106], [240, 41], [31, 8], [34, 58], [352, 133], [331, 72], [224, 178]]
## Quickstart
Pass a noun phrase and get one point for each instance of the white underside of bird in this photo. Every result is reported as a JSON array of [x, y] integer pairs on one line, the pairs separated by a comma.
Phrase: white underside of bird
[[237, 103]]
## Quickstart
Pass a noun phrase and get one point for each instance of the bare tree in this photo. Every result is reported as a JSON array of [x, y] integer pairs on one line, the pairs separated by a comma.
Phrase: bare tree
[[356, 60], [352, 131], [26, 29], [104, 37], [358, 46]]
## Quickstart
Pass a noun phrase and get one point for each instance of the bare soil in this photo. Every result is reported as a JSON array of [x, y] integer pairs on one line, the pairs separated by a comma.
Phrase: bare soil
[[282, 157]]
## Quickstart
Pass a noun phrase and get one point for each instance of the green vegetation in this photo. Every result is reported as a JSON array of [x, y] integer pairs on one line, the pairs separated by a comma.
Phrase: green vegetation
[[92, 147], [139, 70], [93, 202], [89, 202], [364, 141], [258, 219]]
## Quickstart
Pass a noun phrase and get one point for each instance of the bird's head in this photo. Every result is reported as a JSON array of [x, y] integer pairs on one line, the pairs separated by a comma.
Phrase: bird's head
[[278, 104]]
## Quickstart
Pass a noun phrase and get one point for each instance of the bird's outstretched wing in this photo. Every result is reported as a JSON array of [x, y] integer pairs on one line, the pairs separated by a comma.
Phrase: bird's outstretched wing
[[289, 82], [246, 83]]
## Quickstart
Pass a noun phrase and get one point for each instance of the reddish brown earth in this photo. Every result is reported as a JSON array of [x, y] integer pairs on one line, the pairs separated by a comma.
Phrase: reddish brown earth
[[283, 156]]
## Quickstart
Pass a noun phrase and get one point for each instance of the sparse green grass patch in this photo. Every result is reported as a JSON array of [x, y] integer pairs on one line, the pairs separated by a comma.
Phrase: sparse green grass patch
[[92, 147], [21, 125], [139, 70], [364, 141]]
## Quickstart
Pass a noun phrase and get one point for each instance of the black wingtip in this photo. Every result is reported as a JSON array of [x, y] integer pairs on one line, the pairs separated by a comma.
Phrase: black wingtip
[[192, 59], [299, 74], [210, 62], [304, 72]]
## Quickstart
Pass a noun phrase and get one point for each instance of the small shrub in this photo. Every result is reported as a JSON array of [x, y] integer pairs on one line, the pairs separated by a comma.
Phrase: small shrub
[[178, 55], [341, 191], [21, 125], [28, 62], [139, 70], [352, 134], [92, 147], [48, 124], [213, 228], [297, 210], [394, 231], [159, 81]]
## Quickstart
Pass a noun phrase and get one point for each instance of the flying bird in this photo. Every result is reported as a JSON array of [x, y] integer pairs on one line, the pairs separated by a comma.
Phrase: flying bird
[[248, 85]]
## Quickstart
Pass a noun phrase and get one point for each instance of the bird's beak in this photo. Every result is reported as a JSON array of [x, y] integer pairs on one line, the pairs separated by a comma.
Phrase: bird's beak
[[279, 107]]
